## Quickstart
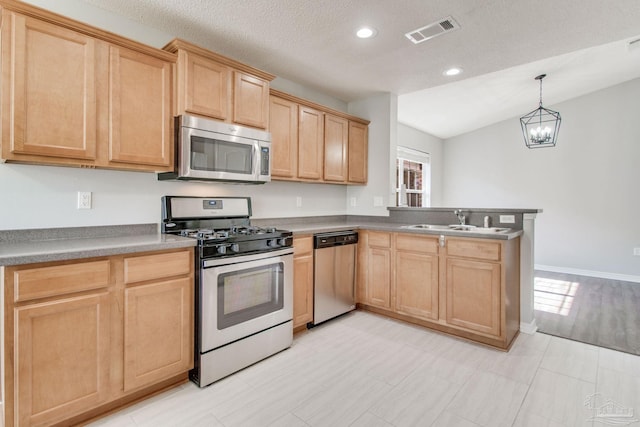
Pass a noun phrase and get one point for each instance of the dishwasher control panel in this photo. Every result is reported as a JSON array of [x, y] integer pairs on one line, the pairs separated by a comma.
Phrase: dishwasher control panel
[[337, 238]]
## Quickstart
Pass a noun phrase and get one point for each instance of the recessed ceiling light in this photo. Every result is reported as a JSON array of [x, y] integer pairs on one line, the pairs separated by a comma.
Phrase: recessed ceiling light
[[366, 32], [454, 71]]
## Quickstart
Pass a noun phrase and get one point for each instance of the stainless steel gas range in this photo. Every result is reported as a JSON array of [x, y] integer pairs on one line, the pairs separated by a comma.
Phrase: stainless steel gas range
[[244, 283]]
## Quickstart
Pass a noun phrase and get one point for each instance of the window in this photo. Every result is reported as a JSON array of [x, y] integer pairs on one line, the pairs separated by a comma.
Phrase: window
[[413, 178]]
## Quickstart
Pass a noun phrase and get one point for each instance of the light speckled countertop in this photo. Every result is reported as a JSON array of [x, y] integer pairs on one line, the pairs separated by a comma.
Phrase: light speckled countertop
[[58, 244], [31, 246], [337, 225]]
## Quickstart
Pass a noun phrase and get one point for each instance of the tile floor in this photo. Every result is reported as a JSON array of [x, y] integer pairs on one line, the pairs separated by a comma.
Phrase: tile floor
[[366, 370]]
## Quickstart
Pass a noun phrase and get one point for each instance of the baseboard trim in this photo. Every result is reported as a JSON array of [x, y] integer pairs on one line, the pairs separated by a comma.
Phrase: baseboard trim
[[590, 273], [529, 328]]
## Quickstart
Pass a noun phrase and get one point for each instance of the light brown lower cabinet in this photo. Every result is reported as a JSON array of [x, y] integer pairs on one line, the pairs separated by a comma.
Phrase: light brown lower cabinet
[[62, 358], [379, 269], [83, 336], [473, 295], [416, 262], [468, 287], [302, 281]]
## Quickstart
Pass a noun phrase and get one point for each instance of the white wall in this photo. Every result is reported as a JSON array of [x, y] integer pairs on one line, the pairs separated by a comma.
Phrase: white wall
[[303, 92], [382, 111], [418, 140], [44, 196], [587, 184]]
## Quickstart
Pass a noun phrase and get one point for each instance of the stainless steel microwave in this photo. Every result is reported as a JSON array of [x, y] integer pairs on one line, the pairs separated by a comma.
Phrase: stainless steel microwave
[[209, 150]]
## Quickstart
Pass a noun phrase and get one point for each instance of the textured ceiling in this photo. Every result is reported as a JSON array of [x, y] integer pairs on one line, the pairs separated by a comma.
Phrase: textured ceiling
[[502, 45]]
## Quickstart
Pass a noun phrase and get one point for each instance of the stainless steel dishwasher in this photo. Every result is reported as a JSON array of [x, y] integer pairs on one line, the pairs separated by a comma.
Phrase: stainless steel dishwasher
[[334, 274]]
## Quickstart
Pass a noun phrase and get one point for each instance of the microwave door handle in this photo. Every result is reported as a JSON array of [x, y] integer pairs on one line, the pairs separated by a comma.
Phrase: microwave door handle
[[256, 160]]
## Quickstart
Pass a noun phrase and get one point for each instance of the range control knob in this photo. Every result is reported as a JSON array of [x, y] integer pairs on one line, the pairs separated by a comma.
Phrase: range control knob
[[235, 248], [221, 249], [282, 242], [272, 243]]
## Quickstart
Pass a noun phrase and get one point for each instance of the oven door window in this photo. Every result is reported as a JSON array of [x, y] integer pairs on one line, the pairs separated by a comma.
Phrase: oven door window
[[221, 156], [247, 294]]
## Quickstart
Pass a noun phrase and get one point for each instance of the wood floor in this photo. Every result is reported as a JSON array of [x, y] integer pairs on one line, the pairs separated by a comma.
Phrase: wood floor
[[597, 311], [365, 370]]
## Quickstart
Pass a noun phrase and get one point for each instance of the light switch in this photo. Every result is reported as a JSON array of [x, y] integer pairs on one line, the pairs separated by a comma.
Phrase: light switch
[[507, 219]]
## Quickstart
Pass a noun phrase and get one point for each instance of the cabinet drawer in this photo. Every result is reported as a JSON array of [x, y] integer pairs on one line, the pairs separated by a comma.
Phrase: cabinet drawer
[[43, 282], [473, 248], [302, 246], [381, 240], [156, 266], [415, 243]]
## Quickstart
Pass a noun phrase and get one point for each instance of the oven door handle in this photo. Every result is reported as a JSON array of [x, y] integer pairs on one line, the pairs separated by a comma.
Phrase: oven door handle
[[216, 262]]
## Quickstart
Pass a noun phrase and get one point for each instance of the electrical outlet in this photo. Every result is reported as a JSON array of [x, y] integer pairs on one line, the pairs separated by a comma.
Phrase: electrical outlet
[[636, 251], [298, 202], [84, 200], [354, 202], [507, 219], [378, 201]]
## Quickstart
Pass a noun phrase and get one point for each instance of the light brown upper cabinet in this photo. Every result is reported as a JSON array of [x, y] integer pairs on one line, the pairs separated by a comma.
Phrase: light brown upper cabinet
[[250, 100], [336, 138], [312, 143], [358, 152], [139, 108], [51, 73], [205, 86], [212, 85], [283, 124], [74, 95]]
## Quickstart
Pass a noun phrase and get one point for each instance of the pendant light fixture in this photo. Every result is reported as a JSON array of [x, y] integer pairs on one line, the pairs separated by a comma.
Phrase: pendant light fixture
[[541, 126]]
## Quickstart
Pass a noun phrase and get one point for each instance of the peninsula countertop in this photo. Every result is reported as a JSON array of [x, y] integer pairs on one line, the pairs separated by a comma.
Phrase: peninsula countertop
[[337, 224]]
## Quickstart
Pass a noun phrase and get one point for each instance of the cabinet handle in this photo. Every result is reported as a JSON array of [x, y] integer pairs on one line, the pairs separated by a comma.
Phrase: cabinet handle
[[442, 240]]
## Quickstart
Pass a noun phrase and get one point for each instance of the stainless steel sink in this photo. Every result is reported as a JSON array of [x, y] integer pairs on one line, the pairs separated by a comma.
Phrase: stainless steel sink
[[428, 227], [474, 229], [458, 227]]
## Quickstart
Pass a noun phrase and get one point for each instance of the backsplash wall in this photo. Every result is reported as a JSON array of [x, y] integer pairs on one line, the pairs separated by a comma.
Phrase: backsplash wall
[[46, 196]]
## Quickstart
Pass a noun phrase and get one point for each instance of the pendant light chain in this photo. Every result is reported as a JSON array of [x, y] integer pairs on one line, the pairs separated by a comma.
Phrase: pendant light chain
[[539, 78]]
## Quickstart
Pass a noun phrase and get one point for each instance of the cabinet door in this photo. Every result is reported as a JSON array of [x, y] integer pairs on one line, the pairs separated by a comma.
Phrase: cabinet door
[[473, 295], [49, 90], [206, 86], [336, 134], [283, 125], [378, 287], [139, 109], [62, 358], [310, 143], [417, 284], [358, 152], [157, 332], [250, 100], [302, 290], [302, 280]]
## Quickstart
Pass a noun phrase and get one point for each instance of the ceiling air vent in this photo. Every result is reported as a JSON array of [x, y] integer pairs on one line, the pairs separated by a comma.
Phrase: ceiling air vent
[[433, 30]]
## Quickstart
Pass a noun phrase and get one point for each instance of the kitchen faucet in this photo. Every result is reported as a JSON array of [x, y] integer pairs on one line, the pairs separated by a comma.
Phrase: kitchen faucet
[[461, 217]]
